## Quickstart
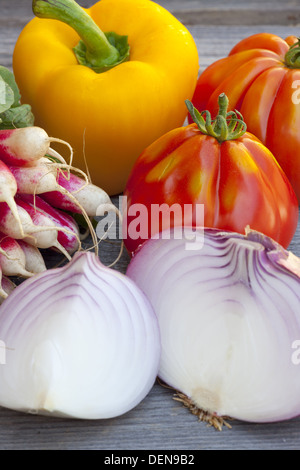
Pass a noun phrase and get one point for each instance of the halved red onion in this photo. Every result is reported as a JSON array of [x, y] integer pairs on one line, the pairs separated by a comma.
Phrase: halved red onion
[[229, 316], [82, 341]]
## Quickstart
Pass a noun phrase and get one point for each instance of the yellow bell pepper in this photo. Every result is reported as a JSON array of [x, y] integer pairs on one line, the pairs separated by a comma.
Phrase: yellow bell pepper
[[108, 94]]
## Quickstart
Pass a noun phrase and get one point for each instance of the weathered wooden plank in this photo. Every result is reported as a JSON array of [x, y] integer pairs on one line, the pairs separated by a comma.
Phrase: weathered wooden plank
[[232, 17], [191, 11], [20, 8], [214, 36], [234, 12], [213, 42], [159, 423]]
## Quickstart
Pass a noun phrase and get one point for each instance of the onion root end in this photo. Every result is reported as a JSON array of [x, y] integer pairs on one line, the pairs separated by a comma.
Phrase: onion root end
[[205, 416]]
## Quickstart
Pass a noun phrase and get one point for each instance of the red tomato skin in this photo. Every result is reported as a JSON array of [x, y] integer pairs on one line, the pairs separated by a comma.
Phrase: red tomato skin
[[239, 182], [262, 87], [267, 41]]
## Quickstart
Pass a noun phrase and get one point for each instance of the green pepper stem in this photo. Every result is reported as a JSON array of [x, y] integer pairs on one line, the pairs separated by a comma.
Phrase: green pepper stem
[[98, 52], [226, 126], [292, 57]]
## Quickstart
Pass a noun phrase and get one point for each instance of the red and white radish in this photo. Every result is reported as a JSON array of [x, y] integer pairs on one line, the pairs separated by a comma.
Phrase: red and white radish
[[35, 179], [34, 261], [37, 235], [9, 224], [44, 232], [41, 177], [6, 287], [69, 235], [26, 145], [36, 188], [87, 195], [46, 177], [8, 190], [13, 261]]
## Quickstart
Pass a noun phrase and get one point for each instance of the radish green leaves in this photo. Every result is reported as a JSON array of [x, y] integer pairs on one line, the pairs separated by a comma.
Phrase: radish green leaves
[[12, 112]]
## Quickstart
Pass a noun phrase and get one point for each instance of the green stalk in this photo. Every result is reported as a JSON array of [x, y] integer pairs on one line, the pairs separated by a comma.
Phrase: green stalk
[[292, 57], [97, 50], [226, 126]]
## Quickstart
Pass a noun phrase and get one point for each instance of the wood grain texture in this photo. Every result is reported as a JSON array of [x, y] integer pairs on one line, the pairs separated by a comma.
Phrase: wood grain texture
[[159, 422], [213, 34]]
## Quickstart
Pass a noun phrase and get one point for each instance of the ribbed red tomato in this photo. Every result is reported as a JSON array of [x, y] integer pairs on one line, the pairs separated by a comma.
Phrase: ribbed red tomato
[[212, 163], [261, 77]]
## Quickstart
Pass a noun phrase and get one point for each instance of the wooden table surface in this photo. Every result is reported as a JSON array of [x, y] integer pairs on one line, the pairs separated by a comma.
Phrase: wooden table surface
[[159, 422]]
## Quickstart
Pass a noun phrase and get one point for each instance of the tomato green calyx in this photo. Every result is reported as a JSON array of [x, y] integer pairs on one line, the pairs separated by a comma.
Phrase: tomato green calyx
[[292, 57], [97, 50], [226, 125]]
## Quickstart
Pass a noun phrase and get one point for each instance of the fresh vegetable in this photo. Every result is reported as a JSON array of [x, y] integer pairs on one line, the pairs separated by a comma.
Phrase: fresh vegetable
[[9, 224], [68, 234], [35, 233], [85, 338], [25, 216], [13, 114], [34, 261], [35, 179], [214, 163], [228, 316], [17, 259], [88, 195], [39, 230], [45, 231], [46, 176], [6, 287], [8, 190], [12, 258], [108, 94], [27, 145], [29, 167], [61, 189], [261, 77]]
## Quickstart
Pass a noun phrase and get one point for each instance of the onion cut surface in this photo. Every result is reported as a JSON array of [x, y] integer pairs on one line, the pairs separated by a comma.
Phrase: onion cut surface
[[82, 341], [229, 316]]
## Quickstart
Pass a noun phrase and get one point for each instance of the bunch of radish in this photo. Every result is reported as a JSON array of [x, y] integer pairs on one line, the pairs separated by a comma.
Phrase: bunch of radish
[[39, 192]]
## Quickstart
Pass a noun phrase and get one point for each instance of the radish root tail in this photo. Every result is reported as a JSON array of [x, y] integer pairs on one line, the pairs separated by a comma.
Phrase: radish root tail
[[100, 212], [55, 139]]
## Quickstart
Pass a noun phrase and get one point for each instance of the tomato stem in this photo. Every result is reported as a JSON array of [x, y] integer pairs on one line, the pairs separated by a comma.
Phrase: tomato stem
[[97, 50], [292, 57], [226, 125]]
